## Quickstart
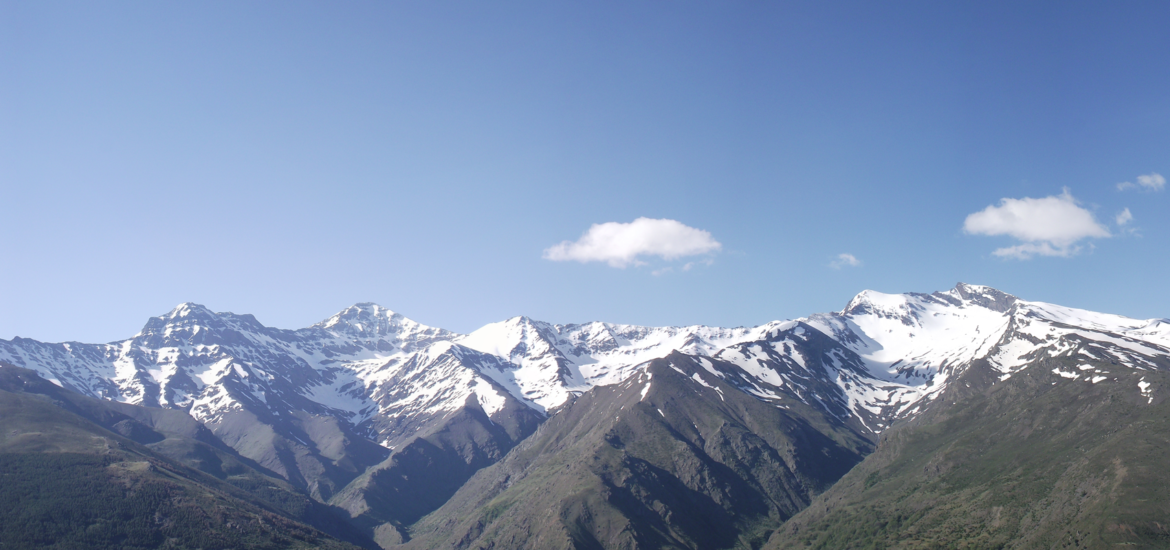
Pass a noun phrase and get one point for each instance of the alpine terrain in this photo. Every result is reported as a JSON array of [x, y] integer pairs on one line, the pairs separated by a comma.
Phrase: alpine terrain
[[965, 418]]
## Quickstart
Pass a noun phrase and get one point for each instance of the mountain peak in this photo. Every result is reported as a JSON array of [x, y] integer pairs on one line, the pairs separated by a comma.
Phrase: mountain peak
[[520, 325], [188, 309], [367, 309], [520, 320], [357, 314], [871, 301], [370, 320], [983, 296]]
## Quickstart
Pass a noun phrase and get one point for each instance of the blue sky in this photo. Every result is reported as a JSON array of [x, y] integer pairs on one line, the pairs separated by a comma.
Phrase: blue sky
[[290, 159]]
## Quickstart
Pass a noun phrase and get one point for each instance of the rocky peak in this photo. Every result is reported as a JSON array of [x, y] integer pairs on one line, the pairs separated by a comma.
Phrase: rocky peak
[[189, 310], [195, 324], [361, 317], [906, 306], [516, 338], [370, 320], [891, 306], [984, 296]]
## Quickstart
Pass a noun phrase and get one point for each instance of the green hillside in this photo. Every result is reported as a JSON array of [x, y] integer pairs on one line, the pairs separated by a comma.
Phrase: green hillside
[[1036, 461]]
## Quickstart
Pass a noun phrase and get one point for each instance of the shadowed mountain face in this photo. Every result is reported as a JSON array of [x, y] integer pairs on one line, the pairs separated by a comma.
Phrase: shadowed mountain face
[[422, 475], [85, 473], [675, 456]]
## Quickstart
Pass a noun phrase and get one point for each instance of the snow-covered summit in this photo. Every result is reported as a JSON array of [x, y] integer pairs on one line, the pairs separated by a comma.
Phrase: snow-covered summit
[[914, 336], [552, 362], [189, 309], [983, 296], [370, 320], [917, 343], [909, 305]]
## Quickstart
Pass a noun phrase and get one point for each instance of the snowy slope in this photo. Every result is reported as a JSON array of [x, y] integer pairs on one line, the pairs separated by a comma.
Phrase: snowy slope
[[211, 364], [554, 361], [916, 343]]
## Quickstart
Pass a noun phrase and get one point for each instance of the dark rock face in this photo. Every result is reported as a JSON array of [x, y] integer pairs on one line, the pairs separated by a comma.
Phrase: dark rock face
[[421, 476], [674, 457], [989, 298]]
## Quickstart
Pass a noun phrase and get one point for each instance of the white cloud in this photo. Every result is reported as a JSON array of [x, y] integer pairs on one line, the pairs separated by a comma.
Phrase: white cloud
[[1027, 250], [1050, 226], [621, 244], [1124, 217], [844, 260], [1150, 182]]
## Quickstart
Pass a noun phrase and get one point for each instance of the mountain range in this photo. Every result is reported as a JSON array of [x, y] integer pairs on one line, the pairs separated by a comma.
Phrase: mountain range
[[388, 433]]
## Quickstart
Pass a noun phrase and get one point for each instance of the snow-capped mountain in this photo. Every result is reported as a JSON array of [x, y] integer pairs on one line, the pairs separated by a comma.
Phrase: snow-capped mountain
[[892, 348], [212, 363], [551, 362], [914, 344], [388, 419], [362, 364], [384, 378]]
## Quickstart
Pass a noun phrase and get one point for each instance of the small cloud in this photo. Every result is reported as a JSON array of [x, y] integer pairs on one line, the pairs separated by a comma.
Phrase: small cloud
[[1124, 217], [1027, 250], [1050, 226], [845, 260], [689, 265], [1149, 182], [622, 244]]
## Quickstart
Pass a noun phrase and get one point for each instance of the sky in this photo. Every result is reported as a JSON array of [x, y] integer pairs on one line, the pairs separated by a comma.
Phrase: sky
[[654, 163]]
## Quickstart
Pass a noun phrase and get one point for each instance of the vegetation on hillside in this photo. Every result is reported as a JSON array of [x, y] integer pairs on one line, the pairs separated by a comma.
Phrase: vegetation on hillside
[[67, 482], [84, 501], [1036, 461]]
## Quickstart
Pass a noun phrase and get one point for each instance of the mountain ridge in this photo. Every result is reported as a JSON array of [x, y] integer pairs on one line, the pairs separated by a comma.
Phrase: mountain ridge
[[211, 363], [367, 403]]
